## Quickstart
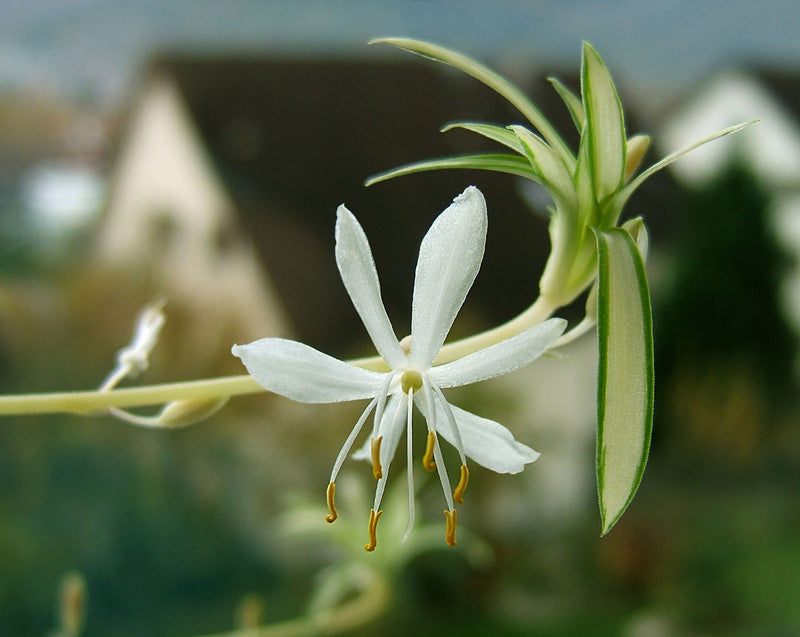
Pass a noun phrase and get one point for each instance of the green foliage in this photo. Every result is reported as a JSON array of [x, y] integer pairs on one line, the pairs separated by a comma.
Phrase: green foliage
[[723, 305]]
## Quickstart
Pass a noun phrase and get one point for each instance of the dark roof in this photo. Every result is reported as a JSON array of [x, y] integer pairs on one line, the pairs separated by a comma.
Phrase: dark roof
[[293, 139], [784, 84]]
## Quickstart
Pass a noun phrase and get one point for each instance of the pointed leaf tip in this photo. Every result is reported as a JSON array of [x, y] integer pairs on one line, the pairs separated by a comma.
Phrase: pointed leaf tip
[[605, 125]]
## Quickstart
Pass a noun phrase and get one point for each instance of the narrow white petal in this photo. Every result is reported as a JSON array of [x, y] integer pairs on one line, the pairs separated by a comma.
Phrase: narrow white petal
[[449, 259], [360, 278], [485, 441], [500, 358], [305, 374]]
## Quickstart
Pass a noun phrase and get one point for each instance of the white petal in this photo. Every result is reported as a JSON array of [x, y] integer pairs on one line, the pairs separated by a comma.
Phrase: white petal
[[302, 373], [449, 259], [360, 278], [391, 428], [485, 441], [500, 358]]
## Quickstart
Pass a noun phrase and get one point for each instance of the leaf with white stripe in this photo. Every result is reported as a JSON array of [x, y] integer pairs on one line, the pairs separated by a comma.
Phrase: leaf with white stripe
[[625, 384]]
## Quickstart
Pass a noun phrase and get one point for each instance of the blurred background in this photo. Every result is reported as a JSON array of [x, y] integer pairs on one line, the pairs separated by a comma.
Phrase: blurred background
[[198, 151]]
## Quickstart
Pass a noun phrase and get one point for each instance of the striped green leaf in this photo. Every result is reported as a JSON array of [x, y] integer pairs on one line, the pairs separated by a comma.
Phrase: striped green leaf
[[605, 125], [625, 383], [498, 134], [571, 101], [511, 164], [491, 79], [548, 164]]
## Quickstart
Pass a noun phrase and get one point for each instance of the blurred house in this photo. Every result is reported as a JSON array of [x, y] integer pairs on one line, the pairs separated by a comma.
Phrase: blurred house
[[770, 149], [230, 170], [51, 165]]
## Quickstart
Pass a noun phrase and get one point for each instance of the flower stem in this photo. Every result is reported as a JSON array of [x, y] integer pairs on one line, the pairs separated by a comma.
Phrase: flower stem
[[86, 402], [372, 602], [535, 314]]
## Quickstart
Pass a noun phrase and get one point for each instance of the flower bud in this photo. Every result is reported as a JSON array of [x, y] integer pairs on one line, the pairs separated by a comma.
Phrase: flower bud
[[181, 413], [637, 148]]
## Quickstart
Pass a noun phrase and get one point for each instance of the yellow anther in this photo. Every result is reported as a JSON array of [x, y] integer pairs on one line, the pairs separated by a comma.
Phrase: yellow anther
[[458, 494], [375, 446], [450, 531], [373, 529], [411, 380], [330, 493], [427, 459]]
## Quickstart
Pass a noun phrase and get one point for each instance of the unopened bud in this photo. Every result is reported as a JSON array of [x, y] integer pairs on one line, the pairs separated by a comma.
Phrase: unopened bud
[[181, 413], [637, 148], [174, 415]]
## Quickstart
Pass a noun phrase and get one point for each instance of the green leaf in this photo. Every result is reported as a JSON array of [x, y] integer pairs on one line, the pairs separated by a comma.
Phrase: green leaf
[[638, 232], [625, 383], [491, 79], [490, 131], [511, 164], [548, 164], [572, 102], [629, 189], [605, 125]]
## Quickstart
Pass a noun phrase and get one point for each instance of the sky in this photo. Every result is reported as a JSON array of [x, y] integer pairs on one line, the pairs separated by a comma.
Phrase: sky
[[96, 48]]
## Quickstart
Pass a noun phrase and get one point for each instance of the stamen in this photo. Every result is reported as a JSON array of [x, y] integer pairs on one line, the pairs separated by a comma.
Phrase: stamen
[[458, 494], [381, 404], [451, 419], [427, 459], [373, 529], [409, 465], [437, 450], [330, 493], [450, 531], [375, 446]]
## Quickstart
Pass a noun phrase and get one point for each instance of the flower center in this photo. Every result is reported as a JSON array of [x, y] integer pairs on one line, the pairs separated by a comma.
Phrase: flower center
[[411, 380]]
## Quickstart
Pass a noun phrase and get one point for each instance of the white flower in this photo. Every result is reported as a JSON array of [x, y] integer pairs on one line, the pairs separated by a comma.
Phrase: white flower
[[449, 259]]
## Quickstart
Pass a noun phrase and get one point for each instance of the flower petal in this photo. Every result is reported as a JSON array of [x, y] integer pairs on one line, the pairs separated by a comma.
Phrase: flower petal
[[500, 358], [302, 373], [449, 259], [360, 278], [391, 428], [485, 441]]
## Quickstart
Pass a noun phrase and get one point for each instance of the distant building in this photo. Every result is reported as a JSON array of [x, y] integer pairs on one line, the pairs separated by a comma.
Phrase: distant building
[[230, 170], [770, 148]]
